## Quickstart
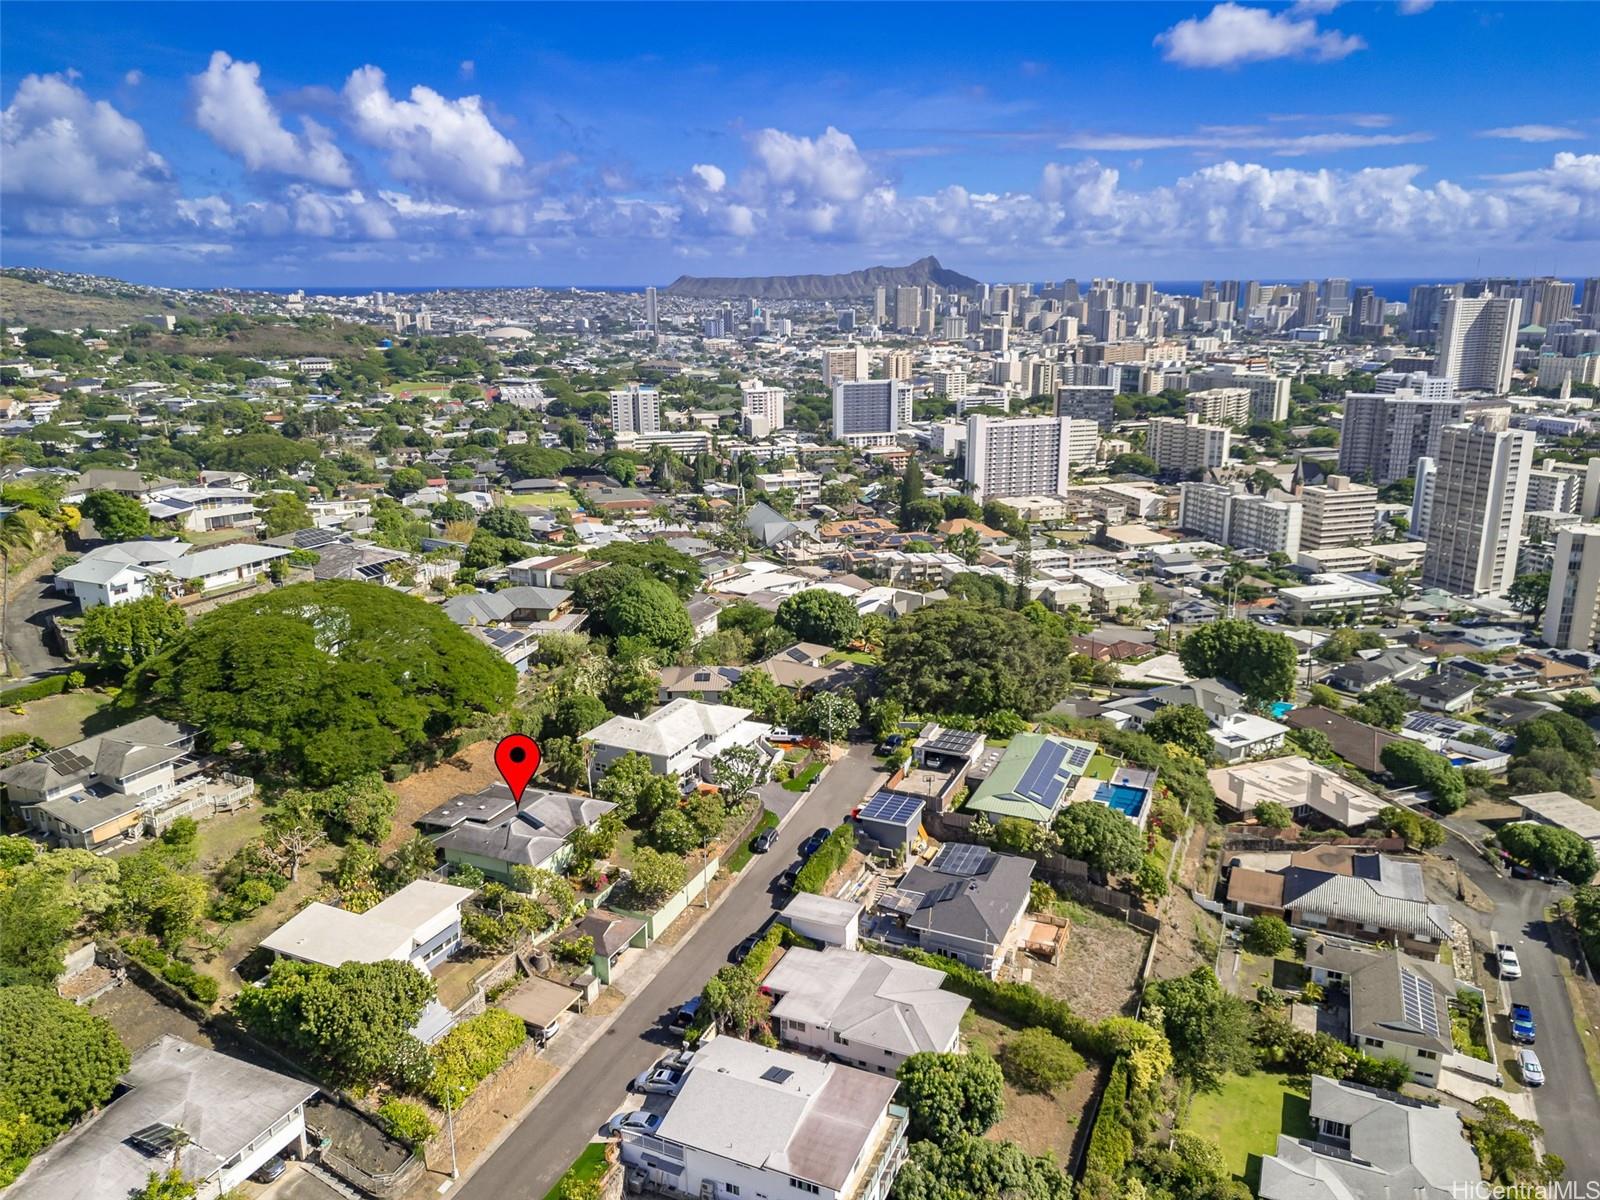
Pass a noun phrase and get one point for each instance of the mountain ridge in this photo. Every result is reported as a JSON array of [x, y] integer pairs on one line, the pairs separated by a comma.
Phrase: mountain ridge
[[847, 285]]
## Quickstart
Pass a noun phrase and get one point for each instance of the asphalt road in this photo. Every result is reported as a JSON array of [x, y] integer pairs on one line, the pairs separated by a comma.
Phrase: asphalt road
[[1567, 1105], [528, 1163], [26, 653]]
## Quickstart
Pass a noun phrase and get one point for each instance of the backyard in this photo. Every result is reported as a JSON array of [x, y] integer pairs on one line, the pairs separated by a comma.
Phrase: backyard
[[1036, 1122], [1099, 970], [1246, 1115], [61, 720]]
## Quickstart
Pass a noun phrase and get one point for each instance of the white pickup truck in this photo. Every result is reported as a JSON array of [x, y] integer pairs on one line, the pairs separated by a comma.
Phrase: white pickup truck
[[1507, 965]]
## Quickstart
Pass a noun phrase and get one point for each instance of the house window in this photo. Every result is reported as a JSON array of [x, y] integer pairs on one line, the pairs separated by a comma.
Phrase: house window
[[1336, 1129], [730, 1189], [798, 1026], [839, 1038], [1372, 1041], [1426, 1054], [804, 1186]]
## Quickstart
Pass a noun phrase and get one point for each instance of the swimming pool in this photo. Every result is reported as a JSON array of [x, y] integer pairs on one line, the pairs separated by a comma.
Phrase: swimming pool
[[1279, 708], [1120, 796]]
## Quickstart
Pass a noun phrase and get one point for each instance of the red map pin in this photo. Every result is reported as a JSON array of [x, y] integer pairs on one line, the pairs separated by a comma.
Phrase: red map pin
[[517, 757]]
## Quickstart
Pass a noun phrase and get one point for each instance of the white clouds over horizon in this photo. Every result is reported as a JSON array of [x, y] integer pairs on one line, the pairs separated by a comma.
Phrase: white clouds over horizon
[[1532, 133], [232, 107]]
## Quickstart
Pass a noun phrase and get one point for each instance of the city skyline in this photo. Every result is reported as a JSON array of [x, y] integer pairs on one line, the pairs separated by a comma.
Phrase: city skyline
[[173, 147]]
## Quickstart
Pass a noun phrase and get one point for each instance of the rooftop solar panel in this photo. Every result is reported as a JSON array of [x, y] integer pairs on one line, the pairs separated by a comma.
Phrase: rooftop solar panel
[[893, 807], [961, 858], [1418, 1002], [1080, 756], [68, 762], [1041, 782]]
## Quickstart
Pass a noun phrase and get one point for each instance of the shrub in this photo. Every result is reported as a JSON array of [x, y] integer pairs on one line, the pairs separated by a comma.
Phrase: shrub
[[830, 856], [1268, 935], [471, 1052], [575, 950], [1038, 1061], [39, 689], [1111, 1143], [406, 1121]]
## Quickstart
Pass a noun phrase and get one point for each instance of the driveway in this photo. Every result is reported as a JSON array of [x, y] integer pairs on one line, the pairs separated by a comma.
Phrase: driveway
[[1566, 1105], [25, 628], [539, 1150]]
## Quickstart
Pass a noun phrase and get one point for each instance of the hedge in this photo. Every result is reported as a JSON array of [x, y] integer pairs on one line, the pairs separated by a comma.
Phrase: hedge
[[830, 856], [200, 988], [406, 1121], [50, 685], [1111, 1143], [1023, 1005]]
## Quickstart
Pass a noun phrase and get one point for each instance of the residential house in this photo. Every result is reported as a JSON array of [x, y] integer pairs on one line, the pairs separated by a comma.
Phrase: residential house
[[749, 1121], [218, 1118], [867, 1010], [1031, 779], [795, 540], [127, 571], [1310, 792], [1376, 667], [1464, 743], [1367, 1144], [705, 684], [1236, 733], [703, 612], [1338, 889], [199, 509], [1445, 692], [1398, 1005], [682, 738], [1359, 744], [826, 920], [419, 924], [967, 903], [1244, 735], [1564, 812], [490, 831], [135, 778]]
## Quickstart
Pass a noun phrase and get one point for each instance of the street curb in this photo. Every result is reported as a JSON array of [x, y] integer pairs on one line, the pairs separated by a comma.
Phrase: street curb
[[514, 1122]]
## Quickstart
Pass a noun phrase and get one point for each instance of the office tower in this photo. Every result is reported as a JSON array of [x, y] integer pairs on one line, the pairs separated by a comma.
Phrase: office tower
[[897, 364], [1305, 312], [1366, 312], [1251, 296], [1425, 307], [907, 309], [1220, 406], [1479, 493], [761, 407], [951, 384], [880, 305], [847, 320], [1422, 498], [844, 362], [868, 411], [1383, 436], [1022, 456], [1088, 402], [650, 312], [1588, 310], [1042, 377], [635, 409], [1338, 513], [1477, 337], [1572, 611], [1336, 297], [1184, 445]]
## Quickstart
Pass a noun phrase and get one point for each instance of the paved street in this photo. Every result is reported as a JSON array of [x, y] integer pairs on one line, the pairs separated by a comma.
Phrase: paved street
[[25, 650], [534, 1156], [1567, 1105]]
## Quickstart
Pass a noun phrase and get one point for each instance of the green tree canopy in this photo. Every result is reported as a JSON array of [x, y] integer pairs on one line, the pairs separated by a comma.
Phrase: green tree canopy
[[1414, 765], [816, 615], [1209, 1028], [116, 517], [1259, 662], [57, 1059], [323, 681], [1184, 725], [655, 558], [121, 636], [1100, 836], [1551, 850], [649, 610], [955, 657], [283, 512], [951, 1094]]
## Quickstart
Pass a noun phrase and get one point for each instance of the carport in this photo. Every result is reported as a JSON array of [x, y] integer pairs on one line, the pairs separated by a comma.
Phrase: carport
[[540, 1003]]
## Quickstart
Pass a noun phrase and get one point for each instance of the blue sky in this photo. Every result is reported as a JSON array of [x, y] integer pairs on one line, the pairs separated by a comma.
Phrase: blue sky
[[409, 144]]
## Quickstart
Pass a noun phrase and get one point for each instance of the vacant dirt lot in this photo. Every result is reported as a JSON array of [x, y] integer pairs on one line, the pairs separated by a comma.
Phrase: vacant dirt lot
[[1099, 969], [140, 1019], [1038, 1123], [468, 771]]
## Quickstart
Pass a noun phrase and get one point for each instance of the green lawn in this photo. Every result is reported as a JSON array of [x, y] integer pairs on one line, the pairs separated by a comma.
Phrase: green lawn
[[1247, 1115], [1100, 767], [803, 780], [855, 656], [59, 720], [591, 1164], [548, 500], [737, 860]]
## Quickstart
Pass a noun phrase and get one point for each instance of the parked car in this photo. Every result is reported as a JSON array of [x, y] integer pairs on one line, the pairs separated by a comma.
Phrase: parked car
[[814, 843], [891, 743], [780, 733], [1507, 964], [661, 1081], [683, 1016], [785, 881], [1530, 1067], [637, 1121], [742, 951], [1522, 1026], [270, 1170], [764, 841]]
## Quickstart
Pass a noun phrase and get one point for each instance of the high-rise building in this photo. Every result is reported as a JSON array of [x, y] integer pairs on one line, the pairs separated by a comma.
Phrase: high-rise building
[[1588, 310], [951, 383], [635, 409], [1338, 513], [650, 313], [1477, 338], [908, 309], [844, 362], [1384, 435], [1022, 456], [1042, 377], [1220, 406], [1572, 611], [847, 320], [1422, 498], [1480, 489], [1269, 394], [897, 364], [1203, 509], [761, 407], [1425, 307], [1305, 312], [1550, 490], [1183, 444], [868, 411], [1089, 402], [1336, 297]]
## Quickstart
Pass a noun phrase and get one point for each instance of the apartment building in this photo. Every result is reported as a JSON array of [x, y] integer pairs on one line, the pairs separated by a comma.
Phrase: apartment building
[[1385, 433], [1269, 394], [1572, 614], [1181, 445], [761, 408], [1338, 513], [1024, 456], [635, 409], [1480, 489], [1088, 402], [844, 363], [897, 364], [868, 412], [1477, 341], [1220, 406]]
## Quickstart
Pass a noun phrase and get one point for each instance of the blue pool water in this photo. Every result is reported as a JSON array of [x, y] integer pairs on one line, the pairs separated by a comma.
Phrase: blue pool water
[[1279, 708], [1126, 800]]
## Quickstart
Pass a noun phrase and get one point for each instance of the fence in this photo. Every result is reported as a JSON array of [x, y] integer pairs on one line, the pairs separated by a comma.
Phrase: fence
[[1391, 845]]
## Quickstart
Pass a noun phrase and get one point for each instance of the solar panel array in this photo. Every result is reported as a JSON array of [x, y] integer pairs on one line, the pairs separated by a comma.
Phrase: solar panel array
[[68, 762], [1040, 782], [894, 807], [313, 539], [156, 1139], [1080, 756], [1419, 1003], [777, 1074], [961, 858], [953, 741]]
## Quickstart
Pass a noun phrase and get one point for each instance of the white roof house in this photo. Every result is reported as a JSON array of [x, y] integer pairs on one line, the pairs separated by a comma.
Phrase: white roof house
[[1242, 735], [415, 925], [128, 571], [1560, 809], [1298, 784], [773, 1123], [679, 737]]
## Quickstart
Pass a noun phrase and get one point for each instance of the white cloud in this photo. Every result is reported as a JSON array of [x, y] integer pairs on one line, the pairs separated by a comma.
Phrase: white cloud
[[232, 106], [1240, 138], [468, 68], [1231, 34], [58, 146], [1410, 8], [1532, 133], [713, 177], [133, 78], [447, 147], [827, 168]]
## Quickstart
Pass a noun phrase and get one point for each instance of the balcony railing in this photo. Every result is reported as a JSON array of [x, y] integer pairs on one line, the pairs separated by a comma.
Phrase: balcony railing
[[886, 1158]]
